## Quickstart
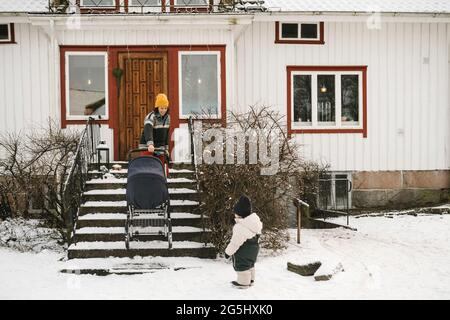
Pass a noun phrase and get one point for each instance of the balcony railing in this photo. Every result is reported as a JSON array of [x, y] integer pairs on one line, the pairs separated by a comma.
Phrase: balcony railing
[[154, 6]]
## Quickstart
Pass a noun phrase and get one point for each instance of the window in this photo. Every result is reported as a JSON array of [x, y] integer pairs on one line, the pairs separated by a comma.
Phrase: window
[[86, 85], [145, 2], [200, 83], [144, 6], [327, 98], [7, 33], [294, 32], [98, 3], [191, 2], [334, 191]]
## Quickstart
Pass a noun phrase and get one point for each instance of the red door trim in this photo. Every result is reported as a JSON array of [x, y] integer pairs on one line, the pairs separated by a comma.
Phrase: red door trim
[[172, 61]]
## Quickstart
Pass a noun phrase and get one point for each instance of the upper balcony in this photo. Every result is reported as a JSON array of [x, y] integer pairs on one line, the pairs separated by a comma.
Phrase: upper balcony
[[154, 6]]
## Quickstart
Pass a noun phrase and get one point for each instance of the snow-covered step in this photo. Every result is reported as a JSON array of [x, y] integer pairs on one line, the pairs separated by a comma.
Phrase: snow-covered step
[[115, 183], [99, 245], [111, 220], [101, 230], [120, 194], [107, 181], [105, 192], [103, 216], [121, 230], [122, 173], [120, 206], [106, 220], [117, 234], [152, 248], [125, 170]]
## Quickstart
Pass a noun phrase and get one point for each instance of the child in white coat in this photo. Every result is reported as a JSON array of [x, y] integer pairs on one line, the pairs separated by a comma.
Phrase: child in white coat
[[244, 244]]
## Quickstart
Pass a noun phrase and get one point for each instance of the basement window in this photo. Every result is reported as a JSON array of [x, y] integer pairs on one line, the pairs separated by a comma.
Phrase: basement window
[[334, 191], [7, 33]]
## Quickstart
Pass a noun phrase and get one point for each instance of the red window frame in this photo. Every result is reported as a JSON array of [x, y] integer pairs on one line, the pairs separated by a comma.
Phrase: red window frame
[[321, 40], [362, 69], [12, 33]]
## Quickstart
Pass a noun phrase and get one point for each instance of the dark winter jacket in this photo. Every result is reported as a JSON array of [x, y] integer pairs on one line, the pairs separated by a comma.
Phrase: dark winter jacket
[[156, 130], [244, 243]]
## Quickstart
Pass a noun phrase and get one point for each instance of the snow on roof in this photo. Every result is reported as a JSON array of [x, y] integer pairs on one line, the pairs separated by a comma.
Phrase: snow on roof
[[23, 5], [398, 6]]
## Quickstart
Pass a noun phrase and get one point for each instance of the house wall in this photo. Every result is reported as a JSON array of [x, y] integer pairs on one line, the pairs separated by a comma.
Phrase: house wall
[[407, 93], [408, 87], [25, 91]]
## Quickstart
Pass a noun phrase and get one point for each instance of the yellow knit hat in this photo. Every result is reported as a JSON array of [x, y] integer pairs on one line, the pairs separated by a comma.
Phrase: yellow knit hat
[[161, 101]]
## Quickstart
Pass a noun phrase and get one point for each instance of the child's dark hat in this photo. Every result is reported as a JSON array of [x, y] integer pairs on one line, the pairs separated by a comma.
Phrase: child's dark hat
[[243, 207]]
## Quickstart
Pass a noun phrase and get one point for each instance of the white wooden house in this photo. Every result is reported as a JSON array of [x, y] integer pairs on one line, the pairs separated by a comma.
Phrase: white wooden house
[[364, 84]]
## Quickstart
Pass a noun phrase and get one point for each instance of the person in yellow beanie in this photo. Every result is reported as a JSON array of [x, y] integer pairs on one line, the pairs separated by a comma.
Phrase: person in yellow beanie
[[156, 130]]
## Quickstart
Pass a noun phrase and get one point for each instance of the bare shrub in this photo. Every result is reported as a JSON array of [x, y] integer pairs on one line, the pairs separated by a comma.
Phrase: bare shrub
[[34, 170], [222, 184]]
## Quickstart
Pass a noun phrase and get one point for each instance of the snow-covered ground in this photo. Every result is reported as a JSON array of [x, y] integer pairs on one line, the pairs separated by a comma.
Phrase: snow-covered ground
[[403, 257]]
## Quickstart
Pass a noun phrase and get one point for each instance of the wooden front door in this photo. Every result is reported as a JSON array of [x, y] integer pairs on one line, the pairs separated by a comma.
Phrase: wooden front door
[[144, 76]]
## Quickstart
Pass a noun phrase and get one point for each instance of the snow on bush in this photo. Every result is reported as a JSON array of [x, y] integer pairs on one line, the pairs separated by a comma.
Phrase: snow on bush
[[29, 235]]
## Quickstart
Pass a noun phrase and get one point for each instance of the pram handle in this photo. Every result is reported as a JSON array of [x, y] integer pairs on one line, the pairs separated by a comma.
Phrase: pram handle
[[141, 149]]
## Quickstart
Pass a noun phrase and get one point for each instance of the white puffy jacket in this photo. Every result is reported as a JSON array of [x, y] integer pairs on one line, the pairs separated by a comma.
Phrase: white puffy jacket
[[243, 230]]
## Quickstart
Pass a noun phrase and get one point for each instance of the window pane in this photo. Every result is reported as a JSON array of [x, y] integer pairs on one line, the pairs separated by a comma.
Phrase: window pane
[[145, 2], [325, 99], [199, 84], [350, 99], [309, 31], [192, 2], [289, 30], [4, 32], [98, 3], [87, 85], [302, 99], [341, 186], [325, 195]]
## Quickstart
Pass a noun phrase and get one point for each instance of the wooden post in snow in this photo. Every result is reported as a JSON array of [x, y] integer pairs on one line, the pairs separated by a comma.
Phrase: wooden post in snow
[[301, 207]]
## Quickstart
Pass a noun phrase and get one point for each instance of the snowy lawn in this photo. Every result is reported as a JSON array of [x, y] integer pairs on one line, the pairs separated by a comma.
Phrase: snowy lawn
[[404, 257]]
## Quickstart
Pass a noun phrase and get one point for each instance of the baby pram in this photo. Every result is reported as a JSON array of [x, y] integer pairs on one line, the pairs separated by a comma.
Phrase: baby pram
[[148, 203]]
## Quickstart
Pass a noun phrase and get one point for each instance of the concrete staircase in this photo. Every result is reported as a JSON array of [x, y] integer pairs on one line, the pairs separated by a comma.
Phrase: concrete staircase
[[100, 229]]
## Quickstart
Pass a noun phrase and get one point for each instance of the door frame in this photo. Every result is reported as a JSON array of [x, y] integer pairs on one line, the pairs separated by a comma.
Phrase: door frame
[[122, 56], [173, 94]]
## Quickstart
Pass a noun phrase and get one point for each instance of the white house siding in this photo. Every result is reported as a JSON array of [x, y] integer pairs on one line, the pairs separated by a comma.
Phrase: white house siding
[[404, 93], [25, 91]]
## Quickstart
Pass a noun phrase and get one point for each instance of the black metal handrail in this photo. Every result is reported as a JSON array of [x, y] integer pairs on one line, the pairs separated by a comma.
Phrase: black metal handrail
[[194, 163], [75, 181]]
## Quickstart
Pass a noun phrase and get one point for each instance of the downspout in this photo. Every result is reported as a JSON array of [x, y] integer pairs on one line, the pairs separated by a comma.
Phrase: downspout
[[54, 71], [236, 32]]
